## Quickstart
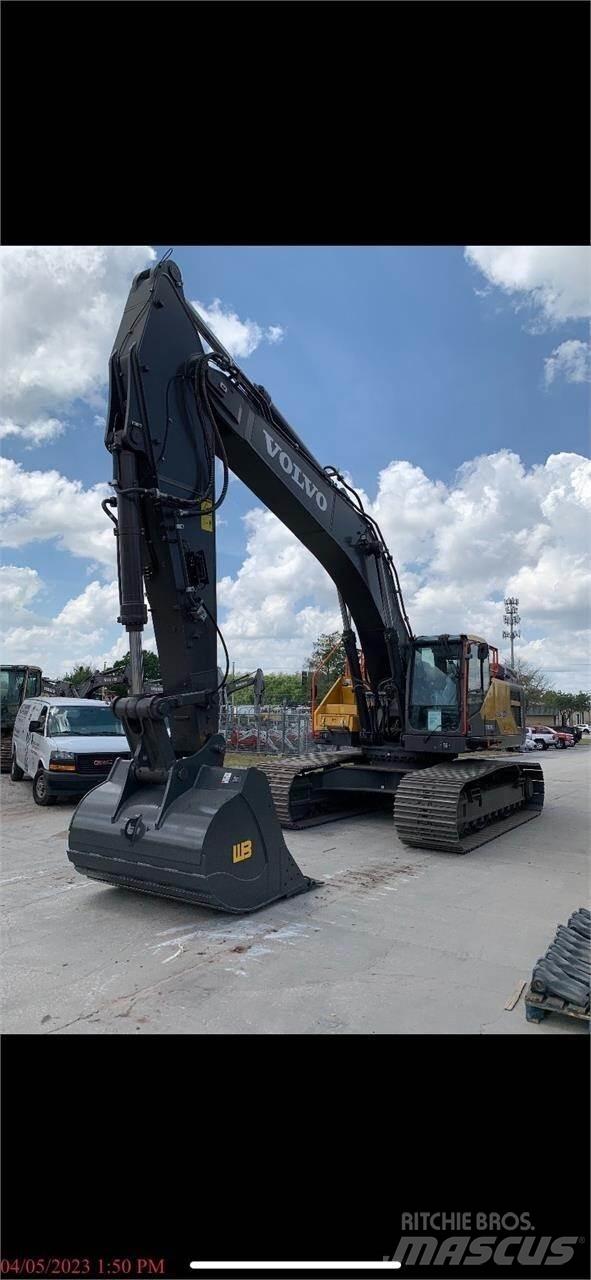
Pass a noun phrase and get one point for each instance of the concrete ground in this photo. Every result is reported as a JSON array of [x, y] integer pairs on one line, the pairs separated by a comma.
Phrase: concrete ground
[[397, 940]]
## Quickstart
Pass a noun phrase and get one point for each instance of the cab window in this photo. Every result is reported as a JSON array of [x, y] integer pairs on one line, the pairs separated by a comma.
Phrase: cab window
[[11, 688], [434, 701], [478, 674], [33, 686]]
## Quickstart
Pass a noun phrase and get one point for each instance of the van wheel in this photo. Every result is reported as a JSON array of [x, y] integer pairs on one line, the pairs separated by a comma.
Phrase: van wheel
[[40, 789], [16, 773]]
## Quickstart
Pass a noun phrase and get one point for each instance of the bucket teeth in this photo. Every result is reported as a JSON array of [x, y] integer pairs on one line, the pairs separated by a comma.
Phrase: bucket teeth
[[548, 979], [574, 968], [581, 927], [573, 939], [565, 970]]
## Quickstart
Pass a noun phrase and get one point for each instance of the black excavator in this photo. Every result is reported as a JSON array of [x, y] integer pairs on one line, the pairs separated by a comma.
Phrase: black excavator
[[174, 821], [16, 684], [90, 686]]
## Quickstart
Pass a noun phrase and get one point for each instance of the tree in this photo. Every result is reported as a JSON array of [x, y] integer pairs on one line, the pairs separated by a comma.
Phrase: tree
[[534, 682], [151, 664], [280, 687], [328, 658], [332, 663], [582, 702], [567, 702], [78, 674]]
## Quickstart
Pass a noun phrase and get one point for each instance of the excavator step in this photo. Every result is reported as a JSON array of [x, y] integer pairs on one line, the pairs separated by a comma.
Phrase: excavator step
[[459, 806]]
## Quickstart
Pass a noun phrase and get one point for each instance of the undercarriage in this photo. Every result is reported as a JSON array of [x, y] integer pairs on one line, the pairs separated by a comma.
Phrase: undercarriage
[[454, 807]]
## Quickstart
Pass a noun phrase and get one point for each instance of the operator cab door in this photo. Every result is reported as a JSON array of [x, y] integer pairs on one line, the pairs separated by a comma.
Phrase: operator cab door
[[477, 686], [33, 688]]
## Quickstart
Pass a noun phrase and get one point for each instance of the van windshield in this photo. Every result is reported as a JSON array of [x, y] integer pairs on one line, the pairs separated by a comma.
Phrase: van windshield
[[84, 722]]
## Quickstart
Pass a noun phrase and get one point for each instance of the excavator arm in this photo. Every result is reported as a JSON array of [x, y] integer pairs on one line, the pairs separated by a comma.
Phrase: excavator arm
[[175, 407]]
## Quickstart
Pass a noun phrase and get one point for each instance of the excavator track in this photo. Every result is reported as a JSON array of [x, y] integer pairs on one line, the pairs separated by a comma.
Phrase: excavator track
[[5, 753], [281, 775], [457, 807]]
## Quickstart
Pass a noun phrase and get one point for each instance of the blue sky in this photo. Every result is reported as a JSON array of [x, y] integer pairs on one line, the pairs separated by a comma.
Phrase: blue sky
[[388, 355]]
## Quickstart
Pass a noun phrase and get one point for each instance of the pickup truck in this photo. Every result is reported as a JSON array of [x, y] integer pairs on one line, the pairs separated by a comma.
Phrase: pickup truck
[[562, 737], [542, 737], [574, 729]]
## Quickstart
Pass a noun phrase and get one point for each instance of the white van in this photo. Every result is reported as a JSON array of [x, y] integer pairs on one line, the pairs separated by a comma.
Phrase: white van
[[66, 745]]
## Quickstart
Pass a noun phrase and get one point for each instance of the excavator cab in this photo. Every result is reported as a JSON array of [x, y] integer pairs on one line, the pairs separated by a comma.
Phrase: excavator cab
[[460, 699], [16, 684]]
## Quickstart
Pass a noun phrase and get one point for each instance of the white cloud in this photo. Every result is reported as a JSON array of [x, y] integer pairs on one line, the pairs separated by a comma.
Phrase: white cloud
[[84, 632], [554, 284], [61, 307], [572, 360], [38, 431], [554, 280], [18, 586], [44, 506], [566, 663], [498, 528], [275, 333], [239, 337], [88, 610]]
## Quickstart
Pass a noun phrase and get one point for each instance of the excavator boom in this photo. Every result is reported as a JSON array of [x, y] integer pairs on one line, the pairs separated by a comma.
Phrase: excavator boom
[[173, 821]]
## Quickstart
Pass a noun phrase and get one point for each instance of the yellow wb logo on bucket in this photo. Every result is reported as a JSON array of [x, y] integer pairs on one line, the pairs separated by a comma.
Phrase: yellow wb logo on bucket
[[242, 851]]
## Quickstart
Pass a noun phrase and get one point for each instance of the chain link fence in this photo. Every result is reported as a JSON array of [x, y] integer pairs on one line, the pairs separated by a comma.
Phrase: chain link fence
[[280, 731]]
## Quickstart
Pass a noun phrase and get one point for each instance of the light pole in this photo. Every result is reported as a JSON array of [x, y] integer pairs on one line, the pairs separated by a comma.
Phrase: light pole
[[511, 619]]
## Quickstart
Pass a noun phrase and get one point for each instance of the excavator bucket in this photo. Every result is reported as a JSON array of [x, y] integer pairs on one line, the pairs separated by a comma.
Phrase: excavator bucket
[[207, 835]]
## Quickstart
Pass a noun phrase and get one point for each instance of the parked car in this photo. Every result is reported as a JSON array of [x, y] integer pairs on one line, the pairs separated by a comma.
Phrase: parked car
[[531, 744], [543, 736], [66, 745], [574, 730], [561, 737], [585, 729]]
